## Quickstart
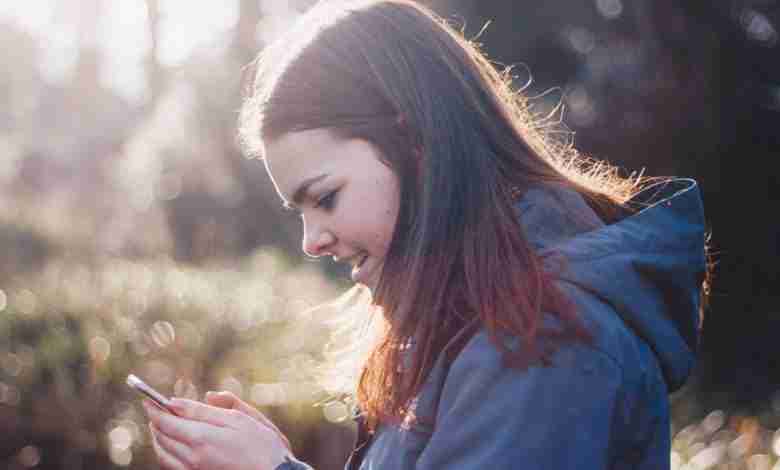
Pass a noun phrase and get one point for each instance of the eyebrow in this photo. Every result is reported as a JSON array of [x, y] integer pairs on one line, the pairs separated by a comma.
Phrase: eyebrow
[[302, 191]]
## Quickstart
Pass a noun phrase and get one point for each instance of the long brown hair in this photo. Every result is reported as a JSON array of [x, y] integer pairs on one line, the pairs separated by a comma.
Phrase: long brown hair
[[465, 146]]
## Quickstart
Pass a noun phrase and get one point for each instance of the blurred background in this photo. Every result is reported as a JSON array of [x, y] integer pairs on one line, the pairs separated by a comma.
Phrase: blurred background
[[135, 237]]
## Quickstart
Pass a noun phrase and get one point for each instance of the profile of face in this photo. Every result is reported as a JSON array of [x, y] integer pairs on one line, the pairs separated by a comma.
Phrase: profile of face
[[348, 199]]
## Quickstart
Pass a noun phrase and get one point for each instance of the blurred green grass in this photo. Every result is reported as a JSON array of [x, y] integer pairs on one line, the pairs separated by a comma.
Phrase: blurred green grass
[[71, 332]]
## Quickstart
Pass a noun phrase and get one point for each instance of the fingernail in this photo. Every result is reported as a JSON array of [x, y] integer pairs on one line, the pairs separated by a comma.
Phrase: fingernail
[[177, 404]]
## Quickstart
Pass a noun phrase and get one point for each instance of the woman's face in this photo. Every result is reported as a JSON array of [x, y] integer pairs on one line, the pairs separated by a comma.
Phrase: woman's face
[[348, 199]]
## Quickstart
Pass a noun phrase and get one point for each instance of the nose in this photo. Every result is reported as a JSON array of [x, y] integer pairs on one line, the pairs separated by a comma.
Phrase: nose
[[316, 240]]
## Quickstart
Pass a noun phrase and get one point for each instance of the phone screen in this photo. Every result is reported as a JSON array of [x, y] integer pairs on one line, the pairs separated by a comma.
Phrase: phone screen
[[146, 390]]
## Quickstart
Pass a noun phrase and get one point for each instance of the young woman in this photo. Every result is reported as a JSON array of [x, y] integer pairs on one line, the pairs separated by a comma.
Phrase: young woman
[[537, 308]]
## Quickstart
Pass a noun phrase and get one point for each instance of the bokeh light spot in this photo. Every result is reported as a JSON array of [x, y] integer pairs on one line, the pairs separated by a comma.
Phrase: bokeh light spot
[[99, 349], [163, 333], [29, 456], [26, 301], [581, 105], [268, 394], [581, 40], [759, 27], [11, 364], [335, 411], [121, 457], [9, 395], [120, 437], [609, 9]]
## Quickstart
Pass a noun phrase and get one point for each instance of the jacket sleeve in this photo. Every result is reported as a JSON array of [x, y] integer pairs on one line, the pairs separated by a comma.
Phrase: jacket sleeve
[[558, 417]]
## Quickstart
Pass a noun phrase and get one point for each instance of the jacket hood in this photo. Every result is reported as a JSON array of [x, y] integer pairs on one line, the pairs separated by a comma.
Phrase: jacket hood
[[649, 266]]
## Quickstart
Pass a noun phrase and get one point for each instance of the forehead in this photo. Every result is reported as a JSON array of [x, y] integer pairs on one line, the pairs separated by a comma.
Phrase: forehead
[[294, 156]]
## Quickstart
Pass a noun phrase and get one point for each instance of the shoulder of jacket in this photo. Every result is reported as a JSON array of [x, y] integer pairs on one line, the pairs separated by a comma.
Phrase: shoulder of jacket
[[482, 355]]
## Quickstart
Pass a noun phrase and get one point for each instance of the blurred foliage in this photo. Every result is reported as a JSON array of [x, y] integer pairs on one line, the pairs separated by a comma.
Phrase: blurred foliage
[[72, 332]]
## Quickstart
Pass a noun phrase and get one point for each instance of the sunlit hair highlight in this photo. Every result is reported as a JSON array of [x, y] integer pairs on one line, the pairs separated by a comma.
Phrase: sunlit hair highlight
[[466, 146]]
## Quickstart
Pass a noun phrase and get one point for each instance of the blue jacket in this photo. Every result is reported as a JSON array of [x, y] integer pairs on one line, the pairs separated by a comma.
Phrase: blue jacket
[[636, 284]]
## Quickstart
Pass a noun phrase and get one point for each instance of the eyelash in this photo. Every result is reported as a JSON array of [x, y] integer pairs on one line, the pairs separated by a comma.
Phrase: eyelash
[[327, 201]]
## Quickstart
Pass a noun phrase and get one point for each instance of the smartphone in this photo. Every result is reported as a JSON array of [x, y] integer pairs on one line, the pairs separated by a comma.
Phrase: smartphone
[[146, 390]]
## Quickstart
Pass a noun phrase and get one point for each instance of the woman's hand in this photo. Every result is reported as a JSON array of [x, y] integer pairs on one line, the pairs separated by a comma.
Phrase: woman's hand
[[230, 401], [232, 436]]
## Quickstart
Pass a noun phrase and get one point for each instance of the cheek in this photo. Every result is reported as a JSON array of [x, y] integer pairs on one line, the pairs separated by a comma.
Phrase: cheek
[[377, 231], [374, 212], [377, 228], [389, 216]]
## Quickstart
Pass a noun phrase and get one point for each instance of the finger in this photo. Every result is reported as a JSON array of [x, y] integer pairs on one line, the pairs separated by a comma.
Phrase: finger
[[227, 399], [172, 447], [197, 411], [186, 431], [166, 459], [219, 399]]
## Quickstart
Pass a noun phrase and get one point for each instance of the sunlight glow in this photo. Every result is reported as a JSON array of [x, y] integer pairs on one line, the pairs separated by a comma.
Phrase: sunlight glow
[[34, 16], [120, 437], [59, 35], [268, 394], [121, 457], [277, 16], [183, 29], [123, 36]]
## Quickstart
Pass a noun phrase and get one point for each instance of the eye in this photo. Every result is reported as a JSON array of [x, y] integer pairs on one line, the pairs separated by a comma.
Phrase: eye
[[327, 201]]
